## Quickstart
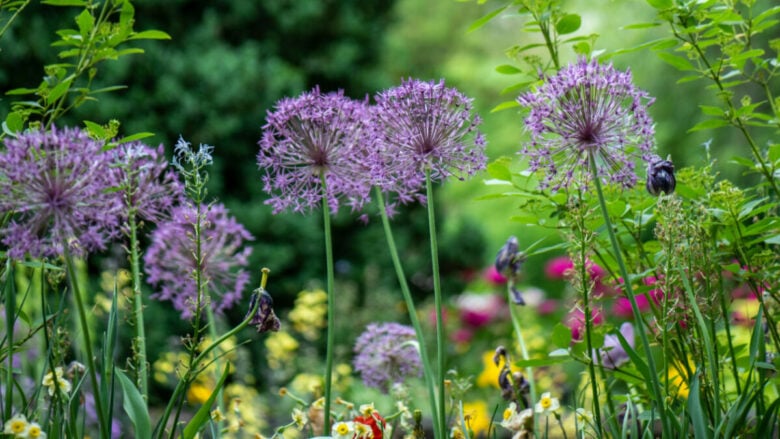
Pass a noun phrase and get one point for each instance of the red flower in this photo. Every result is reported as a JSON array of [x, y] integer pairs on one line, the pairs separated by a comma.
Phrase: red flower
[[375, 421]]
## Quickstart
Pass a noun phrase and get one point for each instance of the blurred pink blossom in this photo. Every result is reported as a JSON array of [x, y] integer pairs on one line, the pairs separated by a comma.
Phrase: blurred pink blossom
[[494, 277], [576, 321]]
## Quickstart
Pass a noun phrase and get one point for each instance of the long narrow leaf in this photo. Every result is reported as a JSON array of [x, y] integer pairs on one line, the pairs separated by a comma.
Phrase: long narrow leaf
[[204, 412], [134, 406]]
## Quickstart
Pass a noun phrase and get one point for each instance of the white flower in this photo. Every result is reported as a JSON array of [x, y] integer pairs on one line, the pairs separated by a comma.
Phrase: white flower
[[584, 417], [547, 404], [299, 418], [343, 430], [16, 425], [363, 431], [33, 431], [56, 382]]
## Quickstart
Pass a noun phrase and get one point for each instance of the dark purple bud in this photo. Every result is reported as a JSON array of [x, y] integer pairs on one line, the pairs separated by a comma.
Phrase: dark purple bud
[[660, 177], [517, 296], [509, 259], [499, 354], [264, 318]]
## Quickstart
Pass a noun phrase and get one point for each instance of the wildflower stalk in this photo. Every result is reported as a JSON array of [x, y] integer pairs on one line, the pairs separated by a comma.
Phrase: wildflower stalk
[[523, 350], [399, 271], [331, 336], [212, 324], [437, 299], [82, 313], [138, 310], [656, 388], [10, 310]]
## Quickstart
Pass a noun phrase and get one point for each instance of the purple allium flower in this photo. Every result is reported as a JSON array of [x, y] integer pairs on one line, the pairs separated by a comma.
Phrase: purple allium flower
[[311, 136], [587, 109], [425, 125], [170, 261], [56, 184], [386, 353], [148, 185]]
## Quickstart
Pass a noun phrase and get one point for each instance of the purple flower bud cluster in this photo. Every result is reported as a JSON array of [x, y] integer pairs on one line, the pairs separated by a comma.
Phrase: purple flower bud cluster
[[587, 111], [171, 263], [385, 354], [352, 146]]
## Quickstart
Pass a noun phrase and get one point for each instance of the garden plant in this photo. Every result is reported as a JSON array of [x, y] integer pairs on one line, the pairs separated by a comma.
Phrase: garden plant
[[134, 301]]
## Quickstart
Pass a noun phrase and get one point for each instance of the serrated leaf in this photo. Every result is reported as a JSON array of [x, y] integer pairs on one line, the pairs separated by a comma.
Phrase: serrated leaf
[[485, 18], [507, 69], [569, 23], [504, 106], [86, 22], [150, 35], [677, 62]]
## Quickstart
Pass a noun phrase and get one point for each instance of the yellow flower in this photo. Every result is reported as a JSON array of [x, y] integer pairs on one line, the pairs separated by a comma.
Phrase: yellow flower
[[198, 393], [281, 347], [307, 383], [56, 381], [678, 379], [343, 430], [16, 425], [299, 418], [308, 315], [477, 416], [489, 375]]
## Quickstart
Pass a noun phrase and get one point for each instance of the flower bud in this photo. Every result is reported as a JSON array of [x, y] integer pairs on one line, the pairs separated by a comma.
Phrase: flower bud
[[660, 177], [509, 259], [264, 318]]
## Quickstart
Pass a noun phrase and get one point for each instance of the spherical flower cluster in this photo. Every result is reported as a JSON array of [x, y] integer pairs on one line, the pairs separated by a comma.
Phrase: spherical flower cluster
[[310, 139], [588, 111], [170, 261], [147, 184], [386, 353], [427, 126], [56, 187]]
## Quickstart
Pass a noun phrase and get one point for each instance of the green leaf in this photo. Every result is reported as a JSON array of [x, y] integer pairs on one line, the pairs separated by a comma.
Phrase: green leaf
[[641, 25], [505, 106], [678, 62], [150, 35], [95, 129], [541, 362], [661, 4], [65, 2], [696, 411], [13, 123], [134, 406], [709, 124], [484, 19], [58, 90], [204, 412], [86, 22], [773, 240], [561, 336], [499, 170], [568, 23], [507, 69], [136, 136]]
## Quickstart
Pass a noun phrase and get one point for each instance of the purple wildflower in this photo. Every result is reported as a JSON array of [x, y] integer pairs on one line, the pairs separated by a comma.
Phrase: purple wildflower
[[612, 353], [309, 137], [426, 126], [56, 184], [170, 261], [148, 185], [588, 109], [386, 353]]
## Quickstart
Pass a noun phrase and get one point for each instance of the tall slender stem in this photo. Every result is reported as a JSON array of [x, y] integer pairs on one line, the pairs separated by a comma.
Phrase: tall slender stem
[[437, 299], [142, 379], [82, 312], [399, 271], [331, 335], [213, 333], [629, 290], [10, 319]]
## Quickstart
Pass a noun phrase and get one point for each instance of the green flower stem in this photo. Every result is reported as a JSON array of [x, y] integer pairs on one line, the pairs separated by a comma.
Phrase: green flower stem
[[529, 371], [82, 312], [437, 299], [629, 290], [10, 318], [178, 391], [399, 271], [212, 323], [138, 311], [331, 336]]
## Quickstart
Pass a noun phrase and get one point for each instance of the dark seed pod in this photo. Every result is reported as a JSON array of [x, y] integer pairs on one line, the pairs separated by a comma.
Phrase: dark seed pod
[[660, 177]]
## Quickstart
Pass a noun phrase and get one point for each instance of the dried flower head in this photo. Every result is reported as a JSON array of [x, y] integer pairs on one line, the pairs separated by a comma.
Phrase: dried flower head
[[660, 177], [425, 125], [312, 137], [56, 186], [264, 318], [386, 353], [147, 184], [587, 110], [170, 261]]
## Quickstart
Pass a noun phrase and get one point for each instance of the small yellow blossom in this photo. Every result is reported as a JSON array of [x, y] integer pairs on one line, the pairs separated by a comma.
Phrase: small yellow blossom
[[343, 430], [477, 417], [584, 417], [281, 348], [16, 425], [198, 393], [299, 418], [308, 314], [678, 378], [489, 375], [217, 416], [363, 431], [33, 432]]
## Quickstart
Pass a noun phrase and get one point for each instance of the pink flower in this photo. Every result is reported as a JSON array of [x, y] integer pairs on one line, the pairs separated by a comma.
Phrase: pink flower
[[576, 322], [478, 310], [547, 307], [557, 268], [494, 277]]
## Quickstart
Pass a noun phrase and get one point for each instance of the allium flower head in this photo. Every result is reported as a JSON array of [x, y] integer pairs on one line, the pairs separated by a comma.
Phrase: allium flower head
[[386, 353], [308, 137], [148, 185], [170, 261], [587, 109], [425, 125], [56, 183]]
